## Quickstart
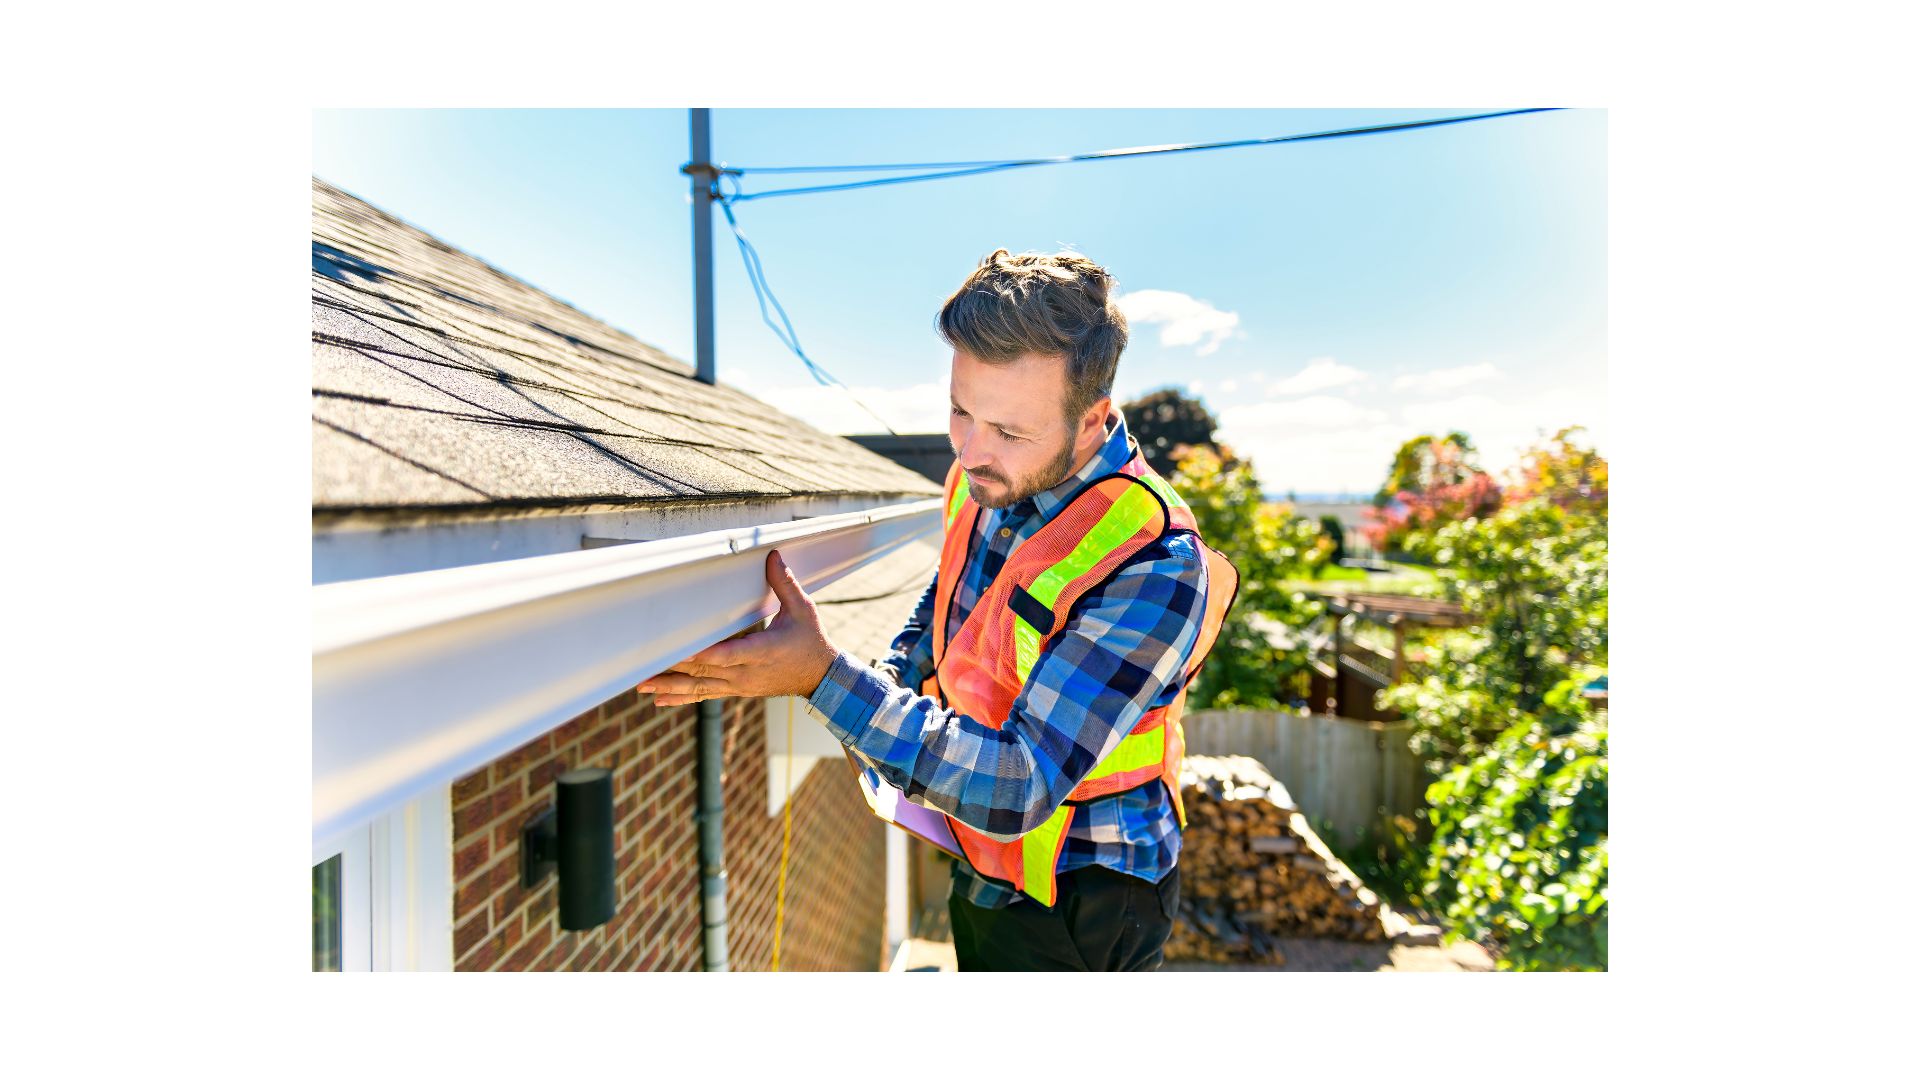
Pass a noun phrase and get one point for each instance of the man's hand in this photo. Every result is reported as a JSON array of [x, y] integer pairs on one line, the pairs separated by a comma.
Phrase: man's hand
[[790, 656]]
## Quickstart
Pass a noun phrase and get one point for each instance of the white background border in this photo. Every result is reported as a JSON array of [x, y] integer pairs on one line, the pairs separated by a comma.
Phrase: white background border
[[1761, 294]]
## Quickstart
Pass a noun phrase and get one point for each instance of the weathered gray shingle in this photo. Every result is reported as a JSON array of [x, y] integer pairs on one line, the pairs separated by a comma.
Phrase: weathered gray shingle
[[441, 382]]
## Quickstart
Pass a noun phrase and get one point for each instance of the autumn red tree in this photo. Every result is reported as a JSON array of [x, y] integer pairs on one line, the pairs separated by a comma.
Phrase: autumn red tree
[[1433, 480]]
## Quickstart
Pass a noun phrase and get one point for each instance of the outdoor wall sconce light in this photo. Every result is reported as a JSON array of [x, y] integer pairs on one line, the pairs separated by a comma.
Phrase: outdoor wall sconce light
[[575, 836]]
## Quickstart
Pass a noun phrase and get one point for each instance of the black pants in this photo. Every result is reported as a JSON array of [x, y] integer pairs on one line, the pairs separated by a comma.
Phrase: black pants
[[1102, 920]]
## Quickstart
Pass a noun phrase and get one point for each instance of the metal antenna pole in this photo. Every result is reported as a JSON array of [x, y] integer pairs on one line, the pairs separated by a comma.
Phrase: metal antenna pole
[[703, 174]]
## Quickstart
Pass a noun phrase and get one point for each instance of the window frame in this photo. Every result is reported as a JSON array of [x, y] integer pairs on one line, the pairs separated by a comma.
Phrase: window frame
[[396, 887]]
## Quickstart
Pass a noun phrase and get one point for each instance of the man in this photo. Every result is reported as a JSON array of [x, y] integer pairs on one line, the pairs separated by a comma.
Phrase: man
[[1050, 653]]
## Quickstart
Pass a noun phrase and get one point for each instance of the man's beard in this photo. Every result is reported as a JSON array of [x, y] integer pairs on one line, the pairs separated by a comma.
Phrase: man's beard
[[1040, 480]]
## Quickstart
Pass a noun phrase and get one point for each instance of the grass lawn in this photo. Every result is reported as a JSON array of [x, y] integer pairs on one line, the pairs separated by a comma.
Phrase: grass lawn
[[1416, 580]]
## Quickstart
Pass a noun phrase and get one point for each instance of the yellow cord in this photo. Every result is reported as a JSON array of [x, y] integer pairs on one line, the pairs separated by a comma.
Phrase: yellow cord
[[786, 840]]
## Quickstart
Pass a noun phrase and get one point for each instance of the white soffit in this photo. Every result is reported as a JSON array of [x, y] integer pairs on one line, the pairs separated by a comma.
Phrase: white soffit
[[420, 678]]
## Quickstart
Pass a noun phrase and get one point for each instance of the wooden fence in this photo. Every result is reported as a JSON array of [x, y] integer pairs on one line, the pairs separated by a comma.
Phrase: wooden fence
[[1348, 773]]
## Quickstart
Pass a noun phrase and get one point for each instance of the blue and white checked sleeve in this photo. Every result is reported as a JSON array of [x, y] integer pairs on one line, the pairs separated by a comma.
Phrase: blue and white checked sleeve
[[1125, 644], [911, 654]]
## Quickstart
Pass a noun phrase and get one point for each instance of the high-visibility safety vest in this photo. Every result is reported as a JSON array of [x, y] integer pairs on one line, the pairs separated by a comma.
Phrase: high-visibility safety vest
[[984, 668]]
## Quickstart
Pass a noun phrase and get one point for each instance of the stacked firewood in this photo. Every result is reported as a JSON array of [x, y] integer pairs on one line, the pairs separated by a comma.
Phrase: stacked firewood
[[1252, 871]]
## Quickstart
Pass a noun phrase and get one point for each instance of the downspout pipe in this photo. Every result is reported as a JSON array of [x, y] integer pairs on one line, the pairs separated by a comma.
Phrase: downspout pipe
[[712, 738], [712, 819]]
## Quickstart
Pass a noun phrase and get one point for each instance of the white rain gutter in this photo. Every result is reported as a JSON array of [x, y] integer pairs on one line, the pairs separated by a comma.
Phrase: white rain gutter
[[421, 678]]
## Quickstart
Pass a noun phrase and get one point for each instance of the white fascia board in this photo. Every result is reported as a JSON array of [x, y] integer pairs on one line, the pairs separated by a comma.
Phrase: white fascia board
[[421, 678], [349, 548]]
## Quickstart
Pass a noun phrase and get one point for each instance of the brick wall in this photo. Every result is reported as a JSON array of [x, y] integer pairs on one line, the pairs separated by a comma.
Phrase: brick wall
[[835, 876], [836, 868]]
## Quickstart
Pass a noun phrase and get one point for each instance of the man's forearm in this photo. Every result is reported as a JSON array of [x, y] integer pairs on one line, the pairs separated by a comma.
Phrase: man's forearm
[[1014, 791]]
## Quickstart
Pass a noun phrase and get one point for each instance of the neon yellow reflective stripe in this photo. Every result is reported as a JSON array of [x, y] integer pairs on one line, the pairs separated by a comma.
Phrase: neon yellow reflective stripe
[[1165, 489], [1133, 509], [1026, 647], [959, 496], [1037, 849], [1136, 751]]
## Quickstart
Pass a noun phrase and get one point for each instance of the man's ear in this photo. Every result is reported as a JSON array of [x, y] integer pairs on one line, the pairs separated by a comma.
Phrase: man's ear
[[1091, 431], [1093, 423]]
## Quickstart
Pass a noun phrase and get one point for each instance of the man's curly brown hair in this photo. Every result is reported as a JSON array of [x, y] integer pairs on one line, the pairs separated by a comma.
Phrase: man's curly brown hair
[[1053, 305]]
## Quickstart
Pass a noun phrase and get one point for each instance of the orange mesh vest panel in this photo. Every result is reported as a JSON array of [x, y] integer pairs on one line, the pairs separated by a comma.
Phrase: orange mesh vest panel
[[983, 669]]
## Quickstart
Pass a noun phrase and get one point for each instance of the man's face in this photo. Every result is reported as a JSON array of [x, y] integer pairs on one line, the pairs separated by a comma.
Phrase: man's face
[[1007, 427]]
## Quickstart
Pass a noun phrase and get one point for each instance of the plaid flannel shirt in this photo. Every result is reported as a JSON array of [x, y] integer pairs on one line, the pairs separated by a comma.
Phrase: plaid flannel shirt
[[1121, 653]]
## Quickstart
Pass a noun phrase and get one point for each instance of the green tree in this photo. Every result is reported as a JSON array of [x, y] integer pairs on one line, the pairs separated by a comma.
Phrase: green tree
[[1164, 421], [1430, 482], [1518, 857], [1331, 528], [1535, 576], [1565, 473], [1268, 545], [1425, 462]]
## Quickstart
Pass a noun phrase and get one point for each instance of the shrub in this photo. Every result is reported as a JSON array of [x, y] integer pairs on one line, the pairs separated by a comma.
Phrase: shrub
[[1535, 576], [1269, 545], [1519, 852]]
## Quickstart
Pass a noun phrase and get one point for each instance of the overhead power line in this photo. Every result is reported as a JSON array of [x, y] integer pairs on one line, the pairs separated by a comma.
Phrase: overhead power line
[[763, 292], [756, 272], [949, 169]]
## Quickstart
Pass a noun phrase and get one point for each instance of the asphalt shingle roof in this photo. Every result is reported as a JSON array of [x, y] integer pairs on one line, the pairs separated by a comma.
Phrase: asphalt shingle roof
[[440, 382]]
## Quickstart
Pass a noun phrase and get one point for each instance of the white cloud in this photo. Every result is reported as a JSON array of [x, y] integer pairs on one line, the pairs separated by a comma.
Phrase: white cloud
[[908, 409], [1445, 379], [1317, 443], [1454, 414], [1182, 319], [1320, 412], [1502, 429], [1230, 386], [1324, 373], [1327, 443]]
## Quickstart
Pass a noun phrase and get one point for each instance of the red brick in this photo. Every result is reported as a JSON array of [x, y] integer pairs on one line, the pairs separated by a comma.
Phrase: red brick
[[470, 933], [654, 926], [511, 900], [621, 702], [599, 740], [509, 935], [521, 757], [611, 759], [541, 904], [469, 786], [540, 778], [604, 960], [556, 958], [507, 833], [472, 818], [473, 895], [482, 958], [571, 730], [504, 886], [506, 870], [470, 858], [530, 950]]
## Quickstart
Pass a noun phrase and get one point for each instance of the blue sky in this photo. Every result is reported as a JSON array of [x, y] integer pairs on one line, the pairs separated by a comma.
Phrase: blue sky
[[1326, 300]]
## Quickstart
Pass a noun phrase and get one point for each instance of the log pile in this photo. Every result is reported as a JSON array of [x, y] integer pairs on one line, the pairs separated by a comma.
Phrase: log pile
[[1252, 871]]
